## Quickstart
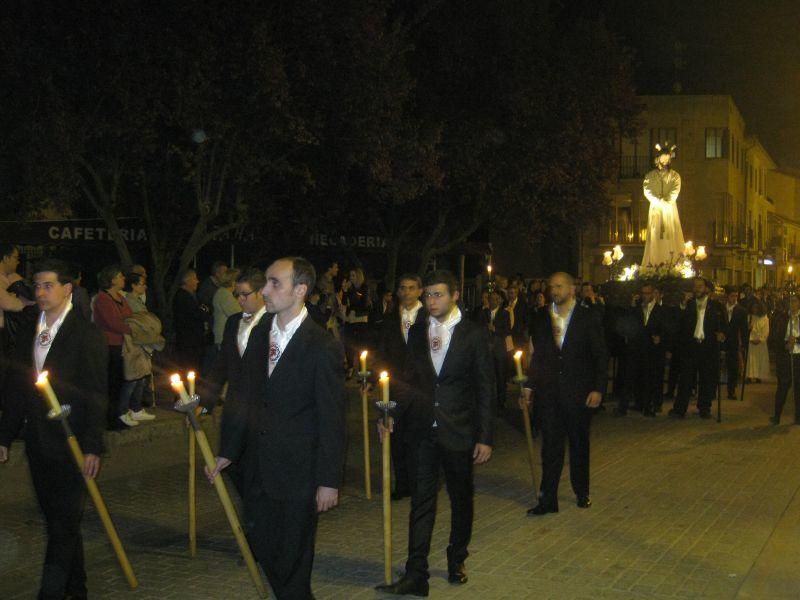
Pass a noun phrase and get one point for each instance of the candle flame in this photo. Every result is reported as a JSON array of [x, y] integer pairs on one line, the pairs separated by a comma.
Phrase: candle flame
[[518, 354], [175, 379], [384, 375], [190, 375], [42, 378], [364, 354]]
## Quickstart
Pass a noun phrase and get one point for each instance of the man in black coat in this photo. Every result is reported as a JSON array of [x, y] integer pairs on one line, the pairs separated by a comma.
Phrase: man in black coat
[[784, 334], [227, 366], [645, 355], [191, 320], [450, 423], [498, 323], [699, 334], [392, 357], [566, 378], [736, 338], [74, 353], [292, 439]]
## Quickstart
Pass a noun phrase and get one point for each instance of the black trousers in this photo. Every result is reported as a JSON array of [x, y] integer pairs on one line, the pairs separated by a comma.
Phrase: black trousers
[[646, 378], [427, 457], [562, 421], [281, 534], [702, 359], [500, 360], [400, 451], [61, 494], [783, 369]]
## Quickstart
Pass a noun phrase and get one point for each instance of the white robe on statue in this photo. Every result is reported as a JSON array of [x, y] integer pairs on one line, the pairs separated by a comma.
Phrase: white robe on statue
[[758, 355], [664, 233]]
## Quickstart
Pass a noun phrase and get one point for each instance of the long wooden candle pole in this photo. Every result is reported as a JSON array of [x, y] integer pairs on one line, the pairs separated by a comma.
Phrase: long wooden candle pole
[[385, 405], [190, 377], [520, 379], [56, 413], [187, 406], [363, 374]]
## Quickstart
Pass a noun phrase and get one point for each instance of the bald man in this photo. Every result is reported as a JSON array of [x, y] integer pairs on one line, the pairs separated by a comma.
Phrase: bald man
[[566, 378]]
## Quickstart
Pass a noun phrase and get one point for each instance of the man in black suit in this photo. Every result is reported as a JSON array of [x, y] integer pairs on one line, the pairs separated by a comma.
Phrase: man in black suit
[[191, 320], [498, 322], [699, 334], [74, 353], [392, 356], [227, 366], [518, 313], [292, 440], [784, 334], [645, 355], [450, 423], [567, 377], [736, 338]]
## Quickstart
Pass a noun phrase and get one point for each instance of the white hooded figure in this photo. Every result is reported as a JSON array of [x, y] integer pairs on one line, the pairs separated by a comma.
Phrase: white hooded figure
[[662, 186]]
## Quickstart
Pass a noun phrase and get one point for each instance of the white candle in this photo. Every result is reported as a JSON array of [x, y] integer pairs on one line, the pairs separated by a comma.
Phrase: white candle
[[384, 384], [177, 385]]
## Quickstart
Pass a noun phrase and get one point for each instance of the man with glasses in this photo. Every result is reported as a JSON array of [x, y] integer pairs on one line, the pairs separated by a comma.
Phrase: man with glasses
[[449, 416]]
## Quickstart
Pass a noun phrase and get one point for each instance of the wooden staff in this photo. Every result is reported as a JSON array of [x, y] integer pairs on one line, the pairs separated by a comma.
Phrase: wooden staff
[[187, 406], [363, 375], [190, 377], [59, 413], [520, 379], [385, 405]]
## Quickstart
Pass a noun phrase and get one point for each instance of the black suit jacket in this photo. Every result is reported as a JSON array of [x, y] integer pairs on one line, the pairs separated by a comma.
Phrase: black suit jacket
[[713, 323], [292, 436], [519, 331], [189, 320], [579, 367], [77, 364], [502, 326], [642, 340], [736, 330], [392, 346], [461, 398]]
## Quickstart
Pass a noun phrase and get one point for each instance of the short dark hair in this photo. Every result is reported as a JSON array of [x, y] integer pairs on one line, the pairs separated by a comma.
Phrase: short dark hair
[[7, 249], [410, 277], [253, 277], [442, 276], [303, 272], [64, 271], [133, 278], [217, 264], [105, 276]]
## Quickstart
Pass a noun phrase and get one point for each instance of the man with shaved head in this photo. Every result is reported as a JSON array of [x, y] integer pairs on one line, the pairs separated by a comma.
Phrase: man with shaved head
[[566, 378]]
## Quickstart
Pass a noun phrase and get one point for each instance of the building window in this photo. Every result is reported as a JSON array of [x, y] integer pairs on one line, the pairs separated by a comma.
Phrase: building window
[[716, 142]]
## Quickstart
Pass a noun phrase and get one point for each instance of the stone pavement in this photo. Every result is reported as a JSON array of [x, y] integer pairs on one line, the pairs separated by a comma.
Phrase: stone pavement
[[682, 509]]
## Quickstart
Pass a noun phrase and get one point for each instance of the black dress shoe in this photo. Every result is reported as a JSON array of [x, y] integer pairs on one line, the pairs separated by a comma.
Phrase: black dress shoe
[[400, 494], [649, 413], [675, 414], [406, 586], [705, 414], [542, 509], [775, 420], [456, 574], [732, 397], [584, 502]]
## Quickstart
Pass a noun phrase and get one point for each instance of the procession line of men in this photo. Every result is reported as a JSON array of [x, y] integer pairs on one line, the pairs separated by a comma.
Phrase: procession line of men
[[283, 428]]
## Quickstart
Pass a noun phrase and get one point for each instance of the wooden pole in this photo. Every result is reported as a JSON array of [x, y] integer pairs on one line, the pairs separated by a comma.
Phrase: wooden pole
[[365, 424], [387, 507], [227, 504], [192, 495], [526, 419]]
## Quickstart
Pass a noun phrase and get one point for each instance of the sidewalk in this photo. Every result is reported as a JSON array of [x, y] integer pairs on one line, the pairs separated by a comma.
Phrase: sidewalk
[[682, 509]]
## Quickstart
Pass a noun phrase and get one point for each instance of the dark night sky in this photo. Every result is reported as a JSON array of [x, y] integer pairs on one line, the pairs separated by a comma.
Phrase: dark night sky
[[748, 49]]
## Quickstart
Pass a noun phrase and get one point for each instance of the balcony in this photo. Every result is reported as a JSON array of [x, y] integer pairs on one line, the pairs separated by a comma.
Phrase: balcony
[[634, 167], [625, 233], [726, 234]]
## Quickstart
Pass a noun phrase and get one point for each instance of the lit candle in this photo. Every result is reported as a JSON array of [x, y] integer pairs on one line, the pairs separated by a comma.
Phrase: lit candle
[[518, 363], [178, 387], [617, 254], [701, 253], [384, 383], [190, 378], [43, 383], [607, 260], [364, 361], [688, 248]]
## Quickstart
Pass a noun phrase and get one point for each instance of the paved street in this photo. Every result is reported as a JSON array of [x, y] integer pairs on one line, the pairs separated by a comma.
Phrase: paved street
[[682, 509]]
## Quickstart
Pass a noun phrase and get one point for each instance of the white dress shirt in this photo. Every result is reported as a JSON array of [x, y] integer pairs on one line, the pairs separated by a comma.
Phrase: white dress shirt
[[280, 338], [46, 335], [439, 335], [408, 316], [699, 334], [793, 330], [647, 309], [560, 324], [246, 325]]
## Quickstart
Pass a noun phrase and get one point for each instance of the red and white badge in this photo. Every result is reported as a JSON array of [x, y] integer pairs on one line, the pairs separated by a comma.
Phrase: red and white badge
[[436, 344], [45, 338], [274, 352]]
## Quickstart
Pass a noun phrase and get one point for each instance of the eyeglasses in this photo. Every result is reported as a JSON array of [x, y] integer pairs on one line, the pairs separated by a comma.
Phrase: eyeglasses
[[243, 294]]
